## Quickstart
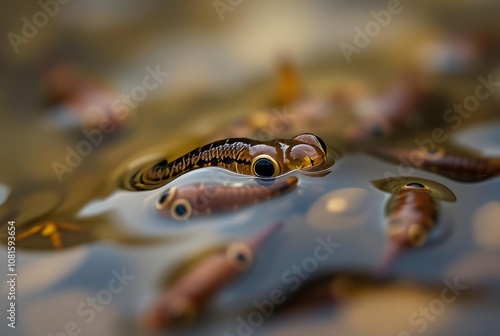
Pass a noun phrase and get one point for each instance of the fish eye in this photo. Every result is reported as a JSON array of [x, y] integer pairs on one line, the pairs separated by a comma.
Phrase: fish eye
[[181, 210], [416, 235], [240, 256], [265, 166], [415, 185], [165, 198], [435, 153], [313, 140]]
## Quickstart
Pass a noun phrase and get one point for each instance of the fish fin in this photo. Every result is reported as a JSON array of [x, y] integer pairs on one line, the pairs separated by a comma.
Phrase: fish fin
[[393, 184], [389, 184], [388, 258]]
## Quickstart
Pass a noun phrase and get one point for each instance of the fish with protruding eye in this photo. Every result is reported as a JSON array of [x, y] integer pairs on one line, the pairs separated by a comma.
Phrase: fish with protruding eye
[[192, 285], [263, 159], [412, 211], [193, 200], [455, 164]]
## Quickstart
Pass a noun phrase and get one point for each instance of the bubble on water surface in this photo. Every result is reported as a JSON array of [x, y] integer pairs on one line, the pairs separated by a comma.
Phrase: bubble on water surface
[[341, 209]]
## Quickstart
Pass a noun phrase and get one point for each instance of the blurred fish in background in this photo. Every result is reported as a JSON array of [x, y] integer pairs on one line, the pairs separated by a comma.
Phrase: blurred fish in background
[[92, 91]]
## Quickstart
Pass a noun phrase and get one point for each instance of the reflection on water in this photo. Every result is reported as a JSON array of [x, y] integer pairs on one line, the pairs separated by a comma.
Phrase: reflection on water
[[76, 229], [210, 199], [265, 159], [41, 275], [58, 232], [191, 285], [340, 206]]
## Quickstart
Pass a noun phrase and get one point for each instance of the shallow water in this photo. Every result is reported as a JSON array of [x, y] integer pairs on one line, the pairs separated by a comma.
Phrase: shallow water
[[224, 82], [343, 205]]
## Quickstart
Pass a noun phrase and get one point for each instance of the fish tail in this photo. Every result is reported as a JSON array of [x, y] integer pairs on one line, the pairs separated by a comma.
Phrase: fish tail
[[256, 241], [387, 260]]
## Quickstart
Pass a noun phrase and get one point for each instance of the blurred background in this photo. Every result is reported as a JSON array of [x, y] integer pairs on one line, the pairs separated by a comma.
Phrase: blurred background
[[93, 90]]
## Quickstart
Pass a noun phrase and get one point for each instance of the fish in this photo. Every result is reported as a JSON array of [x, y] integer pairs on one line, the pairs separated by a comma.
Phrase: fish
[[329, 289], [58, 232], [456, 165], [289, 88], [412, 211], [198, 199], [192, 286], [51, 230], [338, 289], [85, 97], [263, 159]]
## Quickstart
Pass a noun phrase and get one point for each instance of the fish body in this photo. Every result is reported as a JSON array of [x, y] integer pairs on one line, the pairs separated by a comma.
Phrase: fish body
[[456, 166], [186, 296], [413, 208], [263, 159], [412, 212], [193, 200]]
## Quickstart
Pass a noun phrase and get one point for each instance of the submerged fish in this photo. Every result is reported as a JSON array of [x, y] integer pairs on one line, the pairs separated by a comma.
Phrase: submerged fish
[[332, 290], [240, 155], [193, 285], [184, 202], [326, 290], [412, 210], [463, 167]]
